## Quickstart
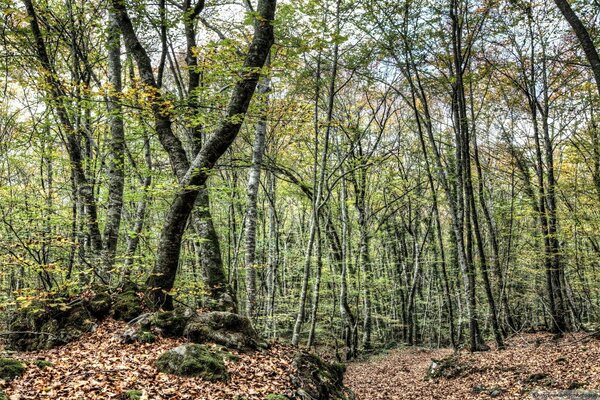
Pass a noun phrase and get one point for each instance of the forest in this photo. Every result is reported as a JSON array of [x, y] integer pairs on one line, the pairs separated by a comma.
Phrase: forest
[[276, 188]]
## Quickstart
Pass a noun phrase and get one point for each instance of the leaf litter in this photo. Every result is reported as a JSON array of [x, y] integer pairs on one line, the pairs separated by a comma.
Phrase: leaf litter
[[531, 363], [100, 366]]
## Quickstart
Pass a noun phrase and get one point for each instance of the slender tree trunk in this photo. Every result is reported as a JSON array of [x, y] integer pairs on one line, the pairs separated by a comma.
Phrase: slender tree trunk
[[274, 254], [316, 288], [116, 173], [252, 192]]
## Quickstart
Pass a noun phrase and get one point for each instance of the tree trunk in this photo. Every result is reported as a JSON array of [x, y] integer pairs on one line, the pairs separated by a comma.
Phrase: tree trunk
[[252, 192], [162, 279], [116, 173], [585, 40]]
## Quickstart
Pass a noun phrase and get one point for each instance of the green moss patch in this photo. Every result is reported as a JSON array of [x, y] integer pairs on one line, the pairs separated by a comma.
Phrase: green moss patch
[[11, 368]]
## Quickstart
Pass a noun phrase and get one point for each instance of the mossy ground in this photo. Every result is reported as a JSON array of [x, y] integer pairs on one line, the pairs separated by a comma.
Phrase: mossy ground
[[11, 368]]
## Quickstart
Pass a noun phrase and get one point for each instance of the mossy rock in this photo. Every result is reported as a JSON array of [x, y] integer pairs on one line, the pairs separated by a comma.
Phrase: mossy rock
[[193, 360], [127, 305], [170, 323], [39, 327], [448, 367], [224, 328], [146, 337], [317, 379], [11, 368], [100, 304]]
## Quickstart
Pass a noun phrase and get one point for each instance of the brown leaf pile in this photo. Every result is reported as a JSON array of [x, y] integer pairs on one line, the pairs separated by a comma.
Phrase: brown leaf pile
[[531, 363], [99, 366]]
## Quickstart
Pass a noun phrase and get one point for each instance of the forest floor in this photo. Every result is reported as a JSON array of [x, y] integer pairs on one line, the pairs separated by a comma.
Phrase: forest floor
[[533, 366], [100, 366]]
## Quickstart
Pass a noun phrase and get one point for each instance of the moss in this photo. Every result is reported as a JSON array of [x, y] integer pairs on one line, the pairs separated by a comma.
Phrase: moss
[[224, 328], [276, 397], [3, 395], [448, 367], [193, 360], [10, 368], [319, 379], [127, 305], [146, 337], [134, 394], [42, 363], [100, 305], [170, 323]]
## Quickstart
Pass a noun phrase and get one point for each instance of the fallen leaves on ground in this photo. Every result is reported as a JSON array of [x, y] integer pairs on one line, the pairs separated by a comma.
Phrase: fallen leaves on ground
[[99, 366], [531, 363]]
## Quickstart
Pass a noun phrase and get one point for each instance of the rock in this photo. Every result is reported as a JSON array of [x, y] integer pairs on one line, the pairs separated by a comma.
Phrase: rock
[[100, 304], [133, 335], [46, 325], [448, 367], [146, 337], [575, 385], [11, 368], [193, 360], [317, 379], [56, 320], [493, 392], [170, 323], [127, 304], [224, 328], [478, 388], [537, 377]]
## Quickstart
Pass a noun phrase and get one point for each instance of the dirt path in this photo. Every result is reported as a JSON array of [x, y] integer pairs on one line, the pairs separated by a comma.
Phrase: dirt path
[[532, 363]]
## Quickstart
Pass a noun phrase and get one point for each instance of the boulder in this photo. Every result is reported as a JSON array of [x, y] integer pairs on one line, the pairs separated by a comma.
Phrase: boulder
[[227, 329], [58, 319], [169, 323], [193, 360], [127, 304], [43, 326], [448, 367], [317, 379], [100, 304]]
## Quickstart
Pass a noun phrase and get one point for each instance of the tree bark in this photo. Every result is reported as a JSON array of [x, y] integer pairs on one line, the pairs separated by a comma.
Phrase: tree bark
[[258, 150], [116, 173]]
